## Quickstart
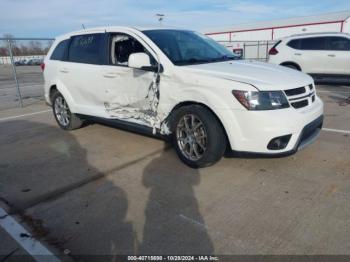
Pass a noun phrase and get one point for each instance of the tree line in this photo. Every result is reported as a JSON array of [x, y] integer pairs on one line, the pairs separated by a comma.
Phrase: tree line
[[24, 47]]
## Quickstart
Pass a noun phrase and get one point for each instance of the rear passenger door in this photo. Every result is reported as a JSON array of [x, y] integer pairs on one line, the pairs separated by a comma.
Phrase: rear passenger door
[[82, 73], [338, 52], [311, 54]]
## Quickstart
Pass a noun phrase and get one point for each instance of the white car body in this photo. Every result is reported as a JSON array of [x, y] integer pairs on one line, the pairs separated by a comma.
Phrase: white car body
[[100, 91], [330, 55]]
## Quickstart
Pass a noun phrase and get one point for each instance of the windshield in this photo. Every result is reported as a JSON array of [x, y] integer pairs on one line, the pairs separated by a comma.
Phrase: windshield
[[188, 47]]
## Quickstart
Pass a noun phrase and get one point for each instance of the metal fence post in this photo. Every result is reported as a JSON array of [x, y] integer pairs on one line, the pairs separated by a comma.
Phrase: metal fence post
[[15, 74], [243, 50]]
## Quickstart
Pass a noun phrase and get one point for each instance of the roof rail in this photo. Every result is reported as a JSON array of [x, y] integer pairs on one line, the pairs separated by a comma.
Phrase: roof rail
[[320, 33]]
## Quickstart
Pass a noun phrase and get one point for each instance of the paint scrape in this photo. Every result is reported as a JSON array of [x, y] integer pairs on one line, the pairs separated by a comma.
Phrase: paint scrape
[[144, 112]]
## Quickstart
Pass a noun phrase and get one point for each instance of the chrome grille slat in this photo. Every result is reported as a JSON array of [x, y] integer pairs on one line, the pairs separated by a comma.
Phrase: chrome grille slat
[[299, 97], [295, 91]]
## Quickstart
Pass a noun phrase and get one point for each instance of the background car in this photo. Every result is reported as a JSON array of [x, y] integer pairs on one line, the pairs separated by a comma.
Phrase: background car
[[316, 54]]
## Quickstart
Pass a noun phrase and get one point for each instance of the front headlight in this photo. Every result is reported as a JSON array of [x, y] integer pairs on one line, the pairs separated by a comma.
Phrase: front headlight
[[261, 100]]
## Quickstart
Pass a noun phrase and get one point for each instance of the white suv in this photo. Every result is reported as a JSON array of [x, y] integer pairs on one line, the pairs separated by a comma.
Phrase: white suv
[[180, 84], [316, 54]]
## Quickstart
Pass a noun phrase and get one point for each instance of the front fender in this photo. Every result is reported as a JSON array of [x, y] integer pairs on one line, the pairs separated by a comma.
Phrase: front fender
[[207, 98]]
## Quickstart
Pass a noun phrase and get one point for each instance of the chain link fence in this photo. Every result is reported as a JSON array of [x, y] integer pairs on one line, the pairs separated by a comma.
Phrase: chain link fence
[[21, 78], [255, 50]]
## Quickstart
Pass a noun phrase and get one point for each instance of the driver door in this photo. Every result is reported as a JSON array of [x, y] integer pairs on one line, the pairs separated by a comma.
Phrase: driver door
[[129, 91]]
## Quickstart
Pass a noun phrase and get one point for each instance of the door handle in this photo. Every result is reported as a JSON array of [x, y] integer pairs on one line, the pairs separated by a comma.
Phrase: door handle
[[110, 75], [297, 54], [64, 70], [331, 55]]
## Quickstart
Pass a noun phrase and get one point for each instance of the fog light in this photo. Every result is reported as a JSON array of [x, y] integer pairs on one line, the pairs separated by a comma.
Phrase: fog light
[[279, 143]]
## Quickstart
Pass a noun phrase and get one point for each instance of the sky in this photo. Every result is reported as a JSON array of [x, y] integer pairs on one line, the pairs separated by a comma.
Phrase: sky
[[49, 18]]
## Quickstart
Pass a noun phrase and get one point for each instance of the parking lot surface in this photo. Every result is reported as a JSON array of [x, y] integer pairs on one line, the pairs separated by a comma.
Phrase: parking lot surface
[[104, 191], [30, 80]]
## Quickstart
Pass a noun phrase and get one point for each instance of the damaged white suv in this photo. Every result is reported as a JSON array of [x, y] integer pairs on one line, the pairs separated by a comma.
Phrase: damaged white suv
[[182, 84]]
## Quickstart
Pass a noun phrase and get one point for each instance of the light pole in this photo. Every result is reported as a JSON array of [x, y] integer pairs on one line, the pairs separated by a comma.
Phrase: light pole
[[160, 18]]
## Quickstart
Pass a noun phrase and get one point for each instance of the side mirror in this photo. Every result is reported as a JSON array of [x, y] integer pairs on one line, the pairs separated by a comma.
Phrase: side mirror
[[139, 61], [143, 61]]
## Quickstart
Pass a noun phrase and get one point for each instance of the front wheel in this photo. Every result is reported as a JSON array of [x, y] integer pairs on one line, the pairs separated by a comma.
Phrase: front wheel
[[64, 117], [198, 136]]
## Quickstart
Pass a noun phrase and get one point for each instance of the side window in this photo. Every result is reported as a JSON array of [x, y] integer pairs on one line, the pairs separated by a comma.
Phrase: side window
[[338, 44], [86, 49], [58, 53], [122, 46], [294, 44], [315, 43]]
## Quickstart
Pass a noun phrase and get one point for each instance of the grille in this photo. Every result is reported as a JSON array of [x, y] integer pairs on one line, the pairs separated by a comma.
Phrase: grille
[[300, 104], [299, 97], [296, 91]]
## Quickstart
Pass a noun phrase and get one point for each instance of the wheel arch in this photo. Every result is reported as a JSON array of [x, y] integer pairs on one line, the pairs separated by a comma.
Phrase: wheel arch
[[66, 94], [52, 90], [291, 63], [171, 115]]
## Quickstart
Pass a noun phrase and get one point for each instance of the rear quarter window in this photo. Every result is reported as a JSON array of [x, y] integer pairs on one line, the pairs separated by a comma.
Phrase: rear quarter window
[[294, 44], [59, 51]]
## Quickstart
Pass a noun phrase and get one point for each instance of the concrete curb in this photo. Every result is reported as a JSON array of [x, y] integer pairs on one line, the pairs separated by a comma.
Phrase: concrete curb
[[55, 251]]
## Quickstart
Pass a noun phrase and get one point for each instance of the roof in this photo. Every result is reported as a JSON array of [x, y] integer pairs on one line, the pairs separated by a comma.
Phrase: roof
[[320, 34], [113, 28], [295, 21], [310, 35]]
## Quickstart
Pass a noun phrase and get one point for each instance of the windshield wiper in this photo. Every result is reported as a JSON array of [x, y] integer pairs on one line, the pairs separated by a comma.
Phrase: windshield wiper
[[223, 58], [192, 61]]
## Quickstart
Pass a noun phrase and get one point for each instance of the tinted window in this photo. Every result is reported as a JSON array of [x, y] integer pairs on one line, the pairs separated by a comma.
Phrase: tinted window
[[294, 44], [86, 49], [315, 43], [338, 44], [58, 53]]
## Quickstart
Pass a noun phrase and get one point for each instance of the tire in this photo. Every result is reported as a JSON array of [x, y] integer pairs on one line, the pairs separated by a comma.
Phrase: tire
[[197, 127], [65, 118]]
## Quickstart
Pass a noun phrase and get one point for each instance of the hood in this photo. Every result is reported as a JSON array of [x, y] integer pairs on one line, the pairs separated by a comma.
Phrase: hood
[[263, 76]]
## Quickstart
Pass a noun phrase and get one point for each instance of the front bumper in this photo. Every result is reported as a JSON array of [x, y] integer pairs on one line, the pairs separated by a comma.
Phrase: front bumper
[[308, 136], [251, 131]]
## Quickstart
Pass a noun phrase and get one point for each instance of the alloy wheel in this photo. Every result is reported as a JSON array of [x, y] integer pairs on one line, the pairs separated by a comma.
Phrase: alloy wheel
[[191, 137], [62, 111]]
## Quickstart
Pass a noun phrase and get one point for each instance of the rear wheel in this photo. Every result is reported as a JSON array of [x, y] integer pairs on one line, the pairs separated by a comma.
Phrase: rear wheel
[[64, 117], [292, 66], [198, 136]]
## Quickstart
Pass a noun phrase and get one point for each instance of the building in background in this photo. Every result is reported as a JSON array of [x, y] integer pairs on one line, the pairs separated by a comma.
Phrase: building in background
[[254, 40]]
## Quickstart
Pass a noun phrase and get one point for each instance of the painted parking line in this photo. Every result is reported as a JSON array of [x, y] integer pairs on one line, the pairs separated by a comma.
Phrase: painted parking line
[[333, 92], [25, 115], [336, 130], [34, 248], [11, 87]]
